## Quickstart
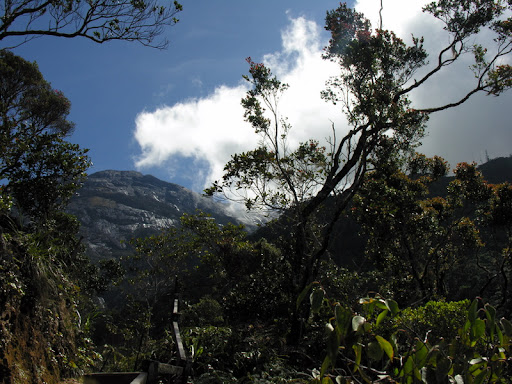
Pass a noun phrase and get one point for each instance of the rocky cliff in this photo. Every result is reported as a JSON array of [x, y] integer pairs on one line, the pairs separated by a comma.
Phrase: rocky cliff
[[115, 206]]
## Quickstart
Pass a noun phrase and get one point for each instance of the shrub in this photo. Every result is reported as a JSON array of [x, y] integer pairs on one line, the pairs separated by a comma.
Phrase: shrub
[[434, 320]]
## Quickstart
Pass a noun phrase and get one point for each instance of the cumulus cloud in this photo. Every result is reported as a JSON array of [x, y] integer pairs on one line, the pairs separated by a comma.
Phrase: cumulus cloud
[[209, 130], [198, 129]]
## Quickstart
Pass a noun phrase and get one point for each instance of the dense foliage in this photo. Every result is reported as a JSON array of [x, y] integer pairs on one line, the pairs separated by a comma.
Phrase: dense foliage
[[42, 258], [276, 309], [39, 169]]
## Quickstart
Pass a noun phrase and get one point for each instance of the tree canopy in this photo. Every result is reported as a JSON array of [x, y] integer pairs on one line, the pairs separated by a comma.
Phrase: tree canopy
[[39, 169], [42, 262], [378, 72]]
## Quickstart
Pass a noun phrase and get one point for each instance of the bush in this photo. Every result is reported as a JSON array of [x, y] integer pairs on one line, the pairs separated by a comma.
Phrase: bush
[[210, 346], [206, 312], [434, 320]]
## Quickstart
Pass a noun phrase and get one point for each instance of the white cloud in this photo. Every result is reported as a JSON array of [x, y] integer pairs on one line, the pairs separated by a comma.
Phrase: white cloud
[[212, 128], [201, 129]]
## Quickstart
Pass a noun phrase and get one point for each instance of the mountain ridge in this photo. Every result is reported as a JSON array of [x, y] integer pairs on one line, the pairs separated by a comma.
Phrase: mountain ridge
[[115, 206]]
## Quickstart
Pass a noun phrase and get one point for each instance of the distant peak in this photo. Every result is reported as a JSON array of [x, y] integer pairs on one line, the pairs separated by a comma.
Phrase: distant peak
[[501, 161], [112, 174], [130, 177]]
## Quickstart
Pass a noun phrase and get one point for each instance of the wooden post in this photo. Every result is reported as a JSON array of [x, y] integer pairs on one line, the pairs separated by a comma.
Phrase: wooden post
[[183, 360]]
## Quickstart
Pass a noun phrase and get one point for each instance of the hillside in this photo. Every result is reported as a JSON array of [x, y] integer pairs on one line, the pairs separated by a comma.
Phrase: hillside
[[115, 206], [497, 170], [347, 246]]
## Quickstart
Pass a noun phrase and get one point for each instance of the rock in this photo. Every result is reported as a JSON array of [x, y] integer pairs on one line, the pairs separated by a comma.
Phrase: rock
[[116, 206]]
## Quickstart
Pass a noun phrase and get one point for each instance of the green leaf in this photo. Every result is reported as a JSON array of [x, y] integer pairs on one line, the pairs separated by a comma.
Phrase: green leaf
[[467, 326], [420, 354], [386, 346], [476, 365], [507, 327], [490, 313], [381, 317], [473, 311], [499, 334], [358, 354], [357, 322], [479, 379], [325, 365], [375, 351], [379, 303], [316, 298], [343, 320], [408, 369], [393, 307], [477, 330]]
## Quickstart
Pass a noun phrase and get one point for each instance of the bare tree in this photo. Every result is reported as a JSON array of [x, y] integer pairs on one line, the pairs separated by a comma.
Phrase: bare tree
[[97, 20]]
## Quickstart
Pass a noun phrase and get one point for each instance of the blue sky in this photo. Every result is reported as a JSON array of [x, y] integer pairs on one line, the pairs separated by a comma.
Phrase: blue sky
[[109, 84], [175, 113]]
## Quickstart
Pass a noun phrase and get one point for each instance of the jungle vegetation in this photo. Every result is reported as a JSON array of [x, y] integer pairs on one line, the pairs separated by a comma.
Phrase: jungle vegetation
[[427, 301]]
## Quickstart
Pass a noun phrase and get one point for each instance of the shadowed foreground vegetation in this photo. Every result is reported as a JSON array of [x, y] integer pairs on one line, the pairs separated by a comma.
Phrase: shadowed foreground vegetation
[[423, 297]]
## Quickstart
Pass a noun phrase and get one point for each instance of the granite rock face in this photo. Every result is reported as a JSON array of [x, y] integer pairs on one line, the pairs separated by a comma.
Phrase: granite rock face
[[115, 206]]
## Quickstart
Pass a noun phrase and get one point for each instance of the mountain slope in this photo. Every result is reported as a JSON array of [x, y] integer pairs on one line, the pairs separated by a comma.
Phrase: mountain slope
[[115, 206], [347, 246]]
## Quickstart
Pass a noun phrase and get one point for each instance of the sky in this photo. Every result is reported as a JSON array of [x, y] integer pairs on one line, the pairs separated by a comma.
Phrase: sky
[[176, 113]]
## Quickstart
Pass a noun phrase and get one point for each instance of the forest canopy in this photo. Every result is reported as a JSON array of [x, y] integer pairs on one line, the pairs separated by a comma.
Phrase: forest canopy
[[276, 305]]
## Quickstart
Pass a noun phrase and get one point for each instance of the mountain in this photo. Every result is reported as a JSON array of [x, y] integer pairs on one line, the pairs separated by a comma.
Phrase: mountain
[[347, 245], [498, 170], [115, 206]]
